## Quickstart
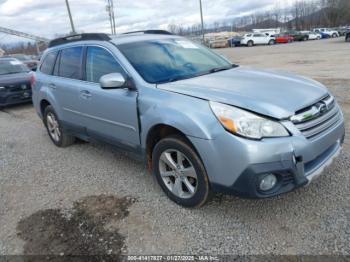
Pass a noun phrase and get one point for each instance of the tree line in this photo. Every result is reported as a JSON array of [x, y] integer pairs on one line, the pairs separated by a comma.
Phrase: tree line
[[302, 15]]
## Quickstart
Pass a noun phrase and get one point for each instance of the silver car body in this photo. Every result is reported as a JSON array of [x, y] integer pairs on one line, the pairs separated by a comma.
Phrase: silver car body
[[126, 118]]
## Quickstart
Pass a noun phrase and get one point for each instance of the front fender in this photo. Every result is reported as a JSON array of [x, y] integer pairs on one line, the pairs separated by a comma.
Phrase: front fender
[[192, 116]]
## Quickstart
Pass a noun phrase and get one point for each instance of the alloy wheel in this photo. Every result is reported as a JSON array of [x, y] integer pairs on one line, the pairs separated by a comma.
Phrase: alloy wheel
[[178, 173], [53, 127]]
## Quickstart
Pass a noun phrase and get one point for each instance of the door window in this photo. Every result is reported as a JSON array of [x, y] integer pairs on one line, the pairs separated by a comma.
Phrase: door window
[[100, 62], [70, 63]]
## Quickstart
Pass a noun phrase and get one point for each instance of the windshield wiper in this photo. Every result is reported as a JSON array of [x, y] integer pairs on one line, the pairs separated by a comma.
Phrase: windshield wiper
[[178, 78], [218, 69]]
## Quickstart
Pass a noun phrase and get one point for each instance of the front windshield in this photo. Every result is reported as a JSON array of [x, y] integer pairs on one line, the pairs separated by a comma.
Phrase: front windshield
[[167, 60], [12, 67]]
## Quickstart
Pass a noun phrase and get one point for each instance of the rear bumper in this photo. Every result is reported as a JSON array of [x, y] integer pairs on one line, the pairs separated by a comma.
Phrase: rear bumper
[[236, 165], [12, 98]]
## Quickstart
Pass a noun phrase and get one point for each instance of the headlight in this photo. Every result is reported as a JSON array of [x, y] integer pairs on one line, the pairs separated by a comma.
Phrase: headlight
[[246, 124]]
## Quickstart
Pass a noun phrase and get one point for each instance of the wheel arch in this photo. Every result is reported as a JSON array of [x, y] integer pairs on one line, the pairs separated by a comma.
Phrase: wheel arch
[[43, 104], [160, 131]]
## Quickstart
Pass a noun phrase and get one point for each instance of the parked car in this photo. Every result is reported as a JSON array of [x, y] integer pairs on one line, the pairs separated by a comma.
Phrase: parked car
[[15, 82], [27, 60], [328, 32], [347, 37], [283, 38], [257, 39], [201, 123], [298, 36], [312, 35], [341, 31], [234, 41]]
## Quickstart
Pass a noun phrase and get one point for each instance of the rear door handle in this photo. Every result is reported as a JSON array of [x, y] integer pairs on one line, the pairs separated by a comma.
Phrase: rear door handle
[[85, 94], [52, 86]]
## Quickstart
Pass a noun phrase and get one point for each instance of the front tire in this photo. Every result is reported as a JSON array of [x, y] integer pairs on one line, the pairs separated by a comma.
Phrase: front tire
[[57, 135], [271, 42], [180, 172], [250, 43]]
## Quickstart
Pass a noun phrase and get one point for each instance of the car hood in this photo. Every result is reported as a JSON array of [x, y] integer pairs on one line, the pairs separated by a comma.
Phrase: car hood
[[11, 79], [275, 94]]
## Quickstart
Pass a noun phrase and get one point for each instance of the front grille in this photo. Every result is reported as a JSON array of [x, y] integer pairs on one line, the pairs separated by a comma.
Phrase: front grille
[[17, 87], [318, 118]]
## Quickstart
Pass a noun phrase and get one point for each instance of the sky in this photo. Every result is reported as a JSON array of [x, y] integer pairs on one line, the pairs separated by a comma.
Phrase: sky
[[48, 18]]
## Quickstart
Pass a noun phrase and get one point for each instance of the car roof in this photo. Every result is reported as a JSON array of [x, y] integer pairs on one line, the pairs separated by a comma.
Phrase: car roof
[[115, 39]]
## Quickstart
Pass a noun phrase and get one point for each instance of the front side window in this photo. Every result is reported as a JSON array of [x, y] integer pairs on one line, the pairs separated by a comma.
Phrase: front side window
[[167, 60], [100, 62], [48, 63], [70, 63]]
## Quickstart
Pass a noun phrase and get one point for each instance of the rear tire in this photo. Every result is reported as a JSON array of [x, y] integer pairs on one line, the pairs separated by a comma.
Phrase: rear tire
[[180, 172], [56, 133]]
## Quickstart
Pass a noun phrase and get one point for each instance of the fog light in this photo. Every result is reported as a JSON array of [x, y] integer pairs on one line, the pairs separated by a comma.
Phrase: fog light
[[268, 182]]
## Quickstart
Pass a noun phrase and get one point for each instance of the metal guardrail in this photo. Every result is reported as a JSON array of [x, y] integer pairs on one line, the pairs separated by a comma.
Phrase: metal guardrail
[[25, 35]]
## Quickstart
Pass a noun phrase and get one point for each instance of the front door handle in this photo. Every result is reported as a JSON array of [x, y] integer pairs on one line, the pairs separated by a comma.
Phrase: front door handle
[[85, 94], [52, 86]]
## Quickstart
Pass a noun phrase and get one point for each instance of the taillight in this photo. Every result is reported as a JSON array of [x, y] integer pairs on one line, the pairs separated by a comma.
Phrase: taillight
[[32, 80]]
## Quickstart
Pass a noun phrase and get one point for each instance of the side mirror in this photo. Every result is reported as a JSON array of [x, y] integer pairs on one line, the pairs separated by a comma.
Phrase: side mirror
[[112, 81]]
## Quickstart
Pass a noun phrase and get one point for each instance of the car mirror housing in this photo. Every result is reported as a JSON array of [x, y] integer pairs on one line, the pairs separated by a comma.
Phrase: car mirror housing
[[112, 81]]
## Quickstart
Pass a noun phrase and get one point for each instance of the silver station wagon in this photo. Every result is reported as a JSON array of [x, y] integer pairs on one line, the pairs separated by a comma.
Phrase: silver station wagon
[[200, 123]]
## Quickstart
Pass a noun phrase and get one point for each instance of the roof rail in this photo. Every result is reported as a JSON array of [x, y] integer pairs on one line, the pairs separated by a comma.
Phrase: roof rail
[[157, 32], [79, 37]]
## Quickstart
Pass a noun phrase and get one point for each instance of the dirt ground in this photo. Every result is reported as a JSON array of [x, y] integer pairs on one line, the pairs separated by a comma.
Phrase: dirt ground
[[91, 199]]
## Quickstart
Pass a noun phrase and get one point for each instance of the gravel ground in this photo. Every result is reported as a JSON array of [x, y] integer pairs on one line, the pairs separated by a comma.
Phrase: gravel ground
[[52, 196]]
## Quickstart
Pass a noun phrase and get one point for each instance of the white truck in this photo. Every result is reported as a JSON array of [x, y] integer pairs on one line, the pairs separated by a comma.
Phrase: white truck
[[329, 32]]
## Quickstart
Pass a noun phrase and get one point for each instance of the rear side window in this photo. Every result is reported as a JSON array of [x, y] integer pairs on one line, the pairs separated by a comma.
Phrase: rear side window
[[100, 62], [48, 63], [70, 63]]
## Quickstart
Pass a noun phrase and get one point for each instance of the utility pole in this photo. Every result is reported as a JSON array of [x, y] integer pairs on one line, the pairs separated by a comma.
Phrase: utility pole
[[202, 23], [113, 17], [110, 10], [37, 47], [70, 17]]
